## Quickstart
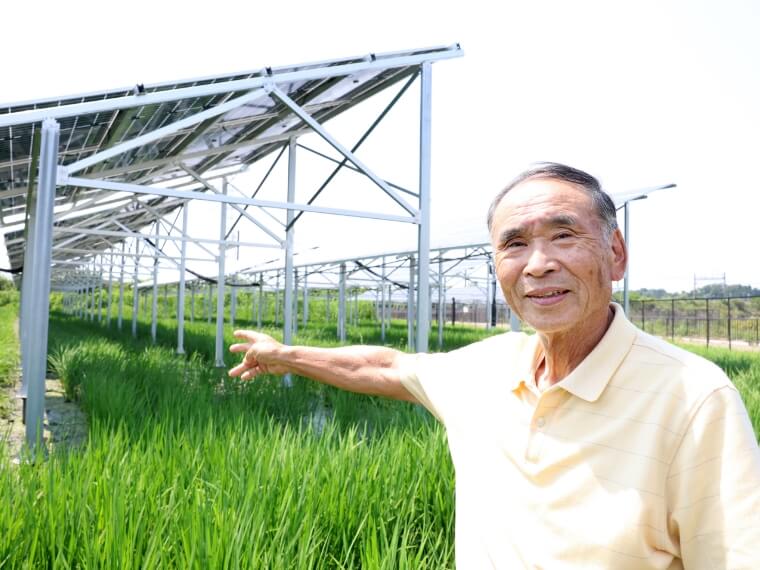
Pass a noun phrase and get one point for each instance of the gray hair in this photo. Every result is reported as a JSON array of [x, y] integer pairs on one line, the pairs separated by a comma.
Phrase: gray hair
[[603, 204]]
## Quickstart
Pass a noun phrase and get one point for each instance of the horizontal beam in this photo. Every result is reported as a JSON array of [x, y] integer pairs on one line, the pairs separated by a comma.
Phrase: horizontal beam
[[64, 180], [175, 160], [312, 73], [160, 133], [138, 235]]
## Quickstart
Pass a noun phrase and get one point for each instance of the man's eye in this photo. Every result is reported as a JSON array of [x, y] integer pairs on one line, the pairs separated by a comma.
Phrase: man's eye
[[563, 235], [514, 244]]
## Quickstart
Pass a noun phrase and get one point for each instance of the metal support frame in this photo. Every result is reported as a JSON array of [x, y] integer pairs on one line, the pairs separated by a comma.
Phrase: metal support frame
[[136, 292], [410, 340], [441, 302], [37, 287], [110, 292], [233, 301], [306, 118], [181, 286], [342, 304], [423, 288], [382, 303], [100, 291], [154, 298], [219, 357], [260, 304], [209, 297], [295, 302], [305, 297], [192, 302], [287, 334], [419, 308]]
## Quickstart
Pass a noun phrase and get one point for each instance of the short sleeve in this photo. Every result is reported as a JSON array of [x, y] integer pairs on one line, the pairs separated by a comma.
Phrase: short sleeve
[[713, 487], [415, 368]]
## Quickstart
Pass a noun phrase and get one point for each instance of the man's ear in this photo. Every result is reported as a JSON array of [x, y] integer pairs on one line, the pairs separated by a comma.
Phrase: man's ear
[[619, 255]]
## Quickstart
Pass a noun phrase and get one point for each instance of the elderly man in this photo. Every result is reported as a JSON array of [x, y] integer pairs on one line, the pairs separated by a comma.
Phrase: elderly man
[[587, 445]]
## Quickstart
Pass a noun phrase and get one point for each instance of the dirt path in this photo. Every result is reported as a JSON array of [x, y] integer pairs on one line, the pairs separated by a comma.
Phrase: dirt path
[[64, 423]]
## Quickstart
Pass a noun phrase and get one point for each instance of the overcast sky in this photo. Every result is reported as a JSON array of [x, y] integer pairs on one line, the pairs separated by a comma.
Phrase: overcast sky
[[639, 94]]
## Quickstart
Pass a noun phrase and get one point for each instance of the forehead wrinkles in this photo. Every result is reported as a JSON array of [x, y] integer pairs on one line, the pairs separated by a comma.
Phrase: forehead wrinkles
[[532, 210]]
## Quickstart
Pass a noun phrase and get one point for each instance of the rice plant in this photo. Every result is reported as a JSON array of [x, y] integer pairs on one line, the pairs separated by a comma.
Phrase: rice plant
[[186, 468]]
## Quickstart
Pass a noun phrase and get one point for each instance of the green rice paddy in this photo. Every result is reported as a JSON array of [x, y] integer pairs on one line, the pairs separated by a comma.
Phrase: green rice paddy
[[186, 468]]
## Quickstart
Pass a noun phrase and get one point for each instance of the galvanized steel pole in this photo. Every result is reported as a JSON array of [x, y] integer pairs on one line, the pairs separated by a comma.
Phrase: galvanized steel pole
[[342, 304], [219, 360], [181, 285], [441, 302], [37, 271], [120, 316], [410, 307], [423, 241], [136, 292], [154, 298]]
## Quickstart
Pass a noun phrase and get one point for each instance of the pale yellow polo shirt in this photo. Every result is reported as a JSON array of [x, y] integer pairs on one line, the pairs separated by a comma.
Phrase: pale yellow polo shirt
[[643, 457]]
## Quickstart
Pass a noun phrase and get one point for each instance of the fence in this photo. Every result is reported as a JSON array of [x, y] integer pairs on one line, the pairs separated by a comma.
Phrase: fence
[[718, 321], [727, 322]]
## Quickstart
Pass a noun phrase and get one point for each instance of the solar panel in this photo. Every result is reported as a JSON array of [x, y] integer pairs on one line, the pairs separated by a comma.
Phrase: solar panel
[[93, 122]]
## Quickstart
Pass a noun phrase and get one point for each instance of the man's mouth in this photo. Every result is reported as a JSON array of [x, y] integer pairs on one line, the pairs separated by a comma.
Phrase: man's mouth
[[547, 296]]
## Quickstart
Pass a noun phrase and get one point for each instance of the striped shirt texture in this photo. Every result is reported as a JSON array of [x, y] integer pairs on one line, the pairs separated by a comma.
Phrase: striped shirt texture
[[643, 457]]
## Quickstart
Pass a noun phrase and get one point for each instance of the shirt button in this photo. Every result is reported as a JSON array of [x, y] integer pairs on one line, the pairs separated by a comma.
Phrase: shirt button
[[541, 422]]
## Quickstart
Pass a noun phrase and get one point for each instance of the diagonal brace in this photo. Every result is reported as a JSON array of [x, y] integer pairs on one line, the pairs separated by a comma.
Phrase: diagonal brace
[[164, 131], [309, 120], [237, 208]]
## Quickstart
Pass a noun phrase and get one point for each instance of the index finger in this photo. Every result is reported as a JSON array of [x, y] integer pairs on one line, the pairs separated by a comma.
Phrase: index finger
[[245, 334]]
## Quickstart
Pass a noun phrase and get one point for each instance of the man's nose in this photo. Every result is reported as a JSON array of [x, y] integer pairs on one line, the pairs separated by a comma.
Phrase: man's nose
[[540, 261]]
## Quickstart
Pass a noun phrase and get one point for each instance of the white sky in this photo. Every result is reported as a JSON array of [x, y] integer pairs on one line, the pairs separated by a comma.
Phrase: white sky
[[639, 95]]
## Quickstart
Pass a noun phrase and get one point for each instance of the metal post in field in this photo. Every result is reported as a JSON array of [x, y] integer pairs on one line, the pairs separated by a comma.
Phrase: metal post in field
[[37, 257], [441, 302], [233, 301], [289, 297], [110, 292], [219, 352], [305, 297], [410, 306], [136, 292], [707, 321], [260, 304], [382, 302], [423, 235], [192, 301], [729, 322], [342, 304], [181, 285], [154, 298], [120, 316]]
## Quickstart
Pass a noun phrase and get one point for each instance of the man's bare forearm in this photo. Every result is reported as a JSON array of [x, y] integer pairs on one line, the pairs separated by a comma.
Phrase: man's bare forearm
[[373, 370]]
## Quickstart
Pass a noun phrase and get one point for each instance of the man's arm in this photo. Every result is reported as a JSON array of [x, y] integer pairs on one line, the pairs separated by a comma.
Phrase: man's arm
[[713, 487], [373, 370]]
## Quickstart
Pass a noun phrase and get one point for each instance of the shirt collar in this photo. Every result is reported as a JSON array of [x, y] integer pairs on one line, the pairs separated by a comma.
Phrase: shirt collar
[[524, 371], [591, 376]]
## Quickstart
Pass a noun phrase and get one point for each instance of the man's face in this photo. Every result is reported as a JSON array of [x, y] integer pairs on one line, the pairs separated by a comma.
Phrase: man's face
[[552, 259]]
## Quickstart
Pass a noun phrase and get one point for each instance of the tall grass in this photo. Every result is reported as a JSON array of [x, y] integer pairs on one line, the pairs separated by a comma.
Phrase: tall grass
[[9, 353], [185, 468]]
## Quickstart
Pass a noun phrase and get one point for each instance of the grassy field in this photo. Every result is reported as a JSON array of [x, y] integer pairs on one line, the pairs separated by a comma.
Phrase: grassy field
[[9, 350], [185, 468]]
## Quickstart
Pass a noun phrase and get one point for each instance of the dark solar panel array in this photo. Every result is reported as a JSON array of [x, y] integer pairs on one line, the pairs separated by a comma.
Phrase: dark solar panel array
[[227, 140]]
